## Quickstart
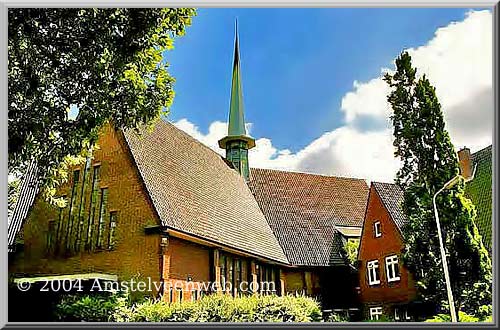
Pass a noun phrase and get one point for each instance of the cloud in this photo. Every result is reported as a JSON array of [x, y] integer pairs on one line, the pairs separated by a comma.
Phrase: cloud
[[457, 60]]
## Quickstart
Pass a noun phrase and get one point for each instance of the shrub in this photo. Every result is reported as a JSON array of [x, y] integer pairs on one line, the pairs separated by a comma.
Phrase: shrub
[[336, 317], [223, 308], [462, 317], [212, 308], [88, 308]]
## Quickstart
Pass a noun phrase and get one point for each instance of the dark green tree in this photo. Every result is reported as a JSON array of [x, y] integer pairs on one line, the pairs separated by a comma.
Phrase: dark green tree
[[106, 62], [428, 161]]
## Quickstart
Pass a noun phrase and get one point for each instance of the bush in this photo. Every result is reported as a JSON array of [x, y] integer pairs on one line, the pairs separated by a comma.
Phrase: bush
[[223, 308], [212, 308], [462, 317], [88, 308], [336, 317]]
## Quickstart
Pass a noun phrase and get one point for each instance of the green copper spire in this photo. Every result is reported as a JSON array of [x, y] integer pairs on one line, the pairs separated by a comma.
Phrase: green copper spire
[[237, 142], [236, 112]]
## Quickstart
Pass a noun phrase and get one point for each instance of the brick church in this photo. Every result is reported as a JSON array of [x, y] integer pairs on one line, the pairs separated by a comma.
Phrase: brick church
[[157, 204]]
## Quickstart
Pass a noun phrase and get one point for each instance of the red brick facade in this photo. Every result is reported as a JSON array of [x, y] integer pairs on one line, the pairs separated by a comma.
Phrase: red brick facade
[[387, 295]]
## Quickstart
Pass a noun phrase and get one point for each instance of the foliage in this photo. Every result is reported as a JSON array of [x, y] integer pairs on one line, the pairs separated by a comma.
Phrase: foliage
[[107, 63], [211, 308], [337, 317], [462, 317], [89, 308], [13, 195], [351, 249], [428, 162], [223, 308]]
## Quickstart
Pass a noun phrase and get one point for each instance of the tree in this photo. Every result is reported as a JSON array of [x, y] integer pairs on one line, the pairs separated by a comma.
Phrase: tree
[[107, 63], [428, 162]]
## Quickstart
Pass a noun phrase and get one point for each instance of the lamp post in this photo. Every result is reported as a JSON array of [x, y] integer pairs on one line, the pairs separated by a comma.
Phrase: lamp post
[[447, 185]]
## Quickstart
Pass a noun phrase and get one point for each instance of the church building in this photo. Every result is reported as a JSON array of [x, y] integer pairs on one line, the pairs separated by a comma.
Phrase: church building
[[157, 204]]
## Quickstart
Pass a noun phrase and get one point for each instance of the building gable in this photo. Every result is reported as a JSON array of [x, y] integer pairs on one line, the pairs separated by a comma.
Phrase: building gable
[[54, 244], [375, 247], [196, 193]]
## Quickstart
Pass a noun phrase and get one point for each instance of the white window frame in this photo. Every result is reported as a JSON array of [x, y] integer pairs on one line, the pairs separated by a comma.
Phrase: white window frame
[[372, 267], [390, 261], [396, 314], [406, 315], [375, 313], [377, 228]]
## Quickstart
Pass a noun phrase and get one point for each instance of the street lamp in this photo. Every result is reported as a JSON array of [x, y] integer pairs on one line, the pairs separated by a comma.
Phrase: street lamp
[[447, 185]]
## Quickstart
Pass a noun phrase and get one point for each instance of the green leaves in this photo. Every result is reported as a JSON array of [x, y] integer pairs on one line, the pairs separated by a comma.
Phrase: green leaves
[[428, 162], [107, 61]]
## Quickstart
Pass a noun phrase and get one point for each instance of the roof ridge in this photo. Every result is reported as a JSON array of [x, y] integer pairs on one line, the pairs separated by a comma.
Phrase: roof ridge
[[309, 173]]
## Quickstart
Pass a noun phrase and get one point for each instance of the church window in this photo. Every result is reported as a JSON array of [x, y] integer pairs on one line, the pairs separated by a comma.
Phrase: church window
[[93, 201], [51, 236], [112, 230], [71, 216], [102, 212]]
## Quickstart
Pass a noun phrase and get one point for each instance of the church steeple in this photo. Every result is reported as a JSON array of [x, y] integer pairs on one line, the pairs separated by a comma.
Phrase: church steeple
[[237, 142]]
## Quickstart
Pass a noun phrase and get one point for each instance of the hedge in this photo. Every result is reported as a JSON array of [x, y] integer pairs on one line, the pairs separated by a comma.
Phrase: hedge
[[211, 308]]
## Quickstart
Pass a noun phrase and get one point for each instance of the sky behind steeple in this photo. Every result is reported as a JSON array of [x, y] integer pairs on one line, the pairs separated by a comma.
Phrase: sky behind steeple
[[314, 100]]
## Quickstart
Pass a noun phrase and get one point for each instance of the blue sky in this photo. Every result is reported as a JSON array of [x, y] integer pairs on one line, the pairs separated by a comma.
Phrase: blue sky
[[312, 81], [297, 64]]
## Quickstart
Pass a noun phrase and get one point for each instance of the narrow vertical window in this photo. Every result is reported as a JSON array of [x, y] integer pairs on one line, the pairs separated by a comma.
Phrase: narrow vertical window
[[51, 236], [237, 281], [112, 230], [373, 272], [171, 295], [81, 207], [223, 275], [194, 295], [102, 212], [377, 229], [59, 229], [93, 201], [230, 274], [396, 314], [179, 294], [71, 214]]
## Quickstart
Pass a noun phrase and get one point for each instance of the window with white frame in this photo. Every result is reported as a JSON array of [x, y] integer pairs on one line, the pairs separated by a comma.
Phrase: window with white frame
[[377, 229], [407, 317], [375, 313], [373, 272], [392, 268], [396, 314]]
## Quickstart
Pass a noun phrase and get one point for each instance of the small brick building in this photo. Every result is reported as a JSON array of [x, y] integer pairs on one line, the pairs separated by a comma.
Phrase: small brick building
[[387, 287]]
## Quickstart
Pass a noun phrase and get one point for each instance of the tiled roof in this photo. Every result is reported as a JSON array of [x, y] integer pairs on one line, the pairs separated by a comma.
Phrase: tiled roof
[[194, 191], [479, 191], [303, 210], [392, 197]]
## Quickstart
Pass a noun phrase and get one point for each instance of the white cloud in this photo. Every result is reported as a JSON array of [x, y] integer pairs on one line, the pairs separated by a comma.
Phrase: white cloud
[[458, 62]]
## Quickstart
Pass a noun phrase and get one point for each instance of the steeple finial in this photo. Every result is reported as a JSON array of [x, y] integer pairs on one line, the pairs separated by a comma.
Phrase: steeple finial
[[236, 110], [237, 142]]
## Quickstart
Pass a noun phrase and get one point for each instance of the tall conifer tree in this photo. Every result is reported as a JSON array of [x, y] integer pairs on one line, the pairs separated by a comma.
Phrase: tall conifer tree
[[428, 161]]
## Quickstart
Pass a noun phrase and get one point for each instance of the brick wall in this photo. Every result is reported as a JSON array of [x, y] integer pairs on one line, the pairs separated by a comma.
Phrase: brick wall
[[377, 248], [135, 254]]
